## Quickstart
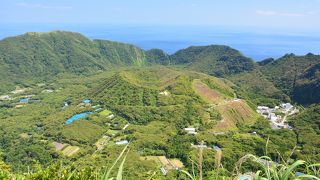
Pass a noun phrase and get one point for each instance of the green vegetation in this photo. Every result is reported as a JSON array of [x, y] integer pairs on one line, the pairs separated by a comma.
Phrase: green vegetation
[[255, 87], [39, 56], [214, 60], [296, 76], [306, 126], [105, 112], [158, 56], [135, 98], [291, 76]]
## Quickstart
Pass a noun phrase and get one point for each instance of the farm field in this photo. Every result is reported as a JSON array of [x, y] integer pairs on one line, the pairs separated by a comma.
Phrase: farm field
[[233, 112], [167, 164], [208, 94]]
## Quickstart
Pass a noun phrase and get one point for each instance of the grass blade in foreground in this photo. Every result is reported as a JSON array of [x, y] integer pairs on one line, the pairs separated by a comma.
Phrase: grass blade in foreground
[[106, 176], [119, 175]]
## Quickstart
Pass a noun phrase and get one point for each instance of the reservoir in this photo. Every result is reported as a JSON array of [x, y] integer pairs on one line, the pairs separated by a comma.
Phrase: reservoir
[[77, 116]]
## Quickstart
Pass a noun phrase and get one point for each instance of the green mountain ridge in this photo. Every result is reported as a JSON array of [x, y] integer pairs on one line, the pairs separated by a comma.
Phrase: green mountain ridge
[[216, 60], [41, 56], [68, 51]]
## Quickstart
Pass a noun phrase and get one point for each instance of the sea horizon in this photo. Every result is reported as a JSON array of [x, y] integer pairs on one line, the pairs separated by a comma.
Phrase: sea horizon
[[253, 43]]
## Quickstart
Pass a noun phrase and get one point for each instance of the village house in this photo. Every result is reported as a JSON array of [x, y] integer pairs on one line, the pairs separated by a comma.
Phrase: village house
[[5, 97], [111, 116], [277, 121], [122, 142], [165, 93], [286, 106], [191, 130], [273, 117]]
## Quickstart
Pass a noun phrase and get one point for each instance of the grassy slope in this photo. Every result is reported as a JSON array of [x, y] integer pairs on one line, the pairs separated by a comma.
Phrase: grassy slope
[[157, 77], [233, 112]]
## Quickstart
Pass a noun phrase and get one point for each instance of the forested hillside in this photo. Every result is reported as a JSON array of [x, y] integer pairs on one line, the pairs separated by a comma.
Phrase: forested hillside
[[307, 127], [39, 56], [214, 60], [296, 76]]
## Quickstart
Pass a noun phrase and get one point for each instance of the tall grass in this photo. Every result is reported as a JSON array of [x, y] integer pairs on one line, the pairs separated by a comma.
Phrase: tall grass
[[277, 171], [266, 168], [70, 173]]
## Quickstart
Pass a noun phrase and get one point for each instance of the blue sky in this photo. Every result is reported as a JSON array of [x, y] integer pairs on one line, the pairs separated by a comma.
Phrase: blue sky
[[299, 14]]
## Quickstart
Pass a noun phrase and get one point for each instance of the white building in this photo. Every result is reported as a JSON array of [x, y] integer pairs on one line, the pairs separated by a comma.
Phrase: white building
[[5, 97], [277, 121], [122, 142], [272, 117], [190, 130], [111, 116], [165, 93], [262, 108], [286, 106]]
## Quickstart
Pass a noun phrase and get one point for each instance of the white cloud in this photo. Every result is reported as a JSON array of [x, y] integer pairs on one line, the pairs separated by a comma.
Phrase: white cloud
[[40, 6], [286, 14]]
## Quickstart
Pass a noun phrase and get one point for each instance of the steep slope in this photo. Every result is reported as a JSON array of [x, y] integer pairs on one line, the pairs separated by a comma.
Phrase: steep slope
[[296, 76], [307, 127], [214, 60], [158, 56], [35, 56], [117, 53], [307, 86], [255, 86]]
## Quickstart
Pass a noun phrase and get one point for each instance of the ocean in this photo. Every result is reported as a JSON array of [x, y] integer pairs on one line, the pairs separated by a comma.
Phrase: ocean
[[257, 44]]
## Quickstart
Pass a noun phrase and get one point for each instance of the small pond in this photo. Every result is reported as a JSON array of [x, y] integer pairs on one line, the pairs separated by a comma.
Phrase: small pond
[[77, 116]]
